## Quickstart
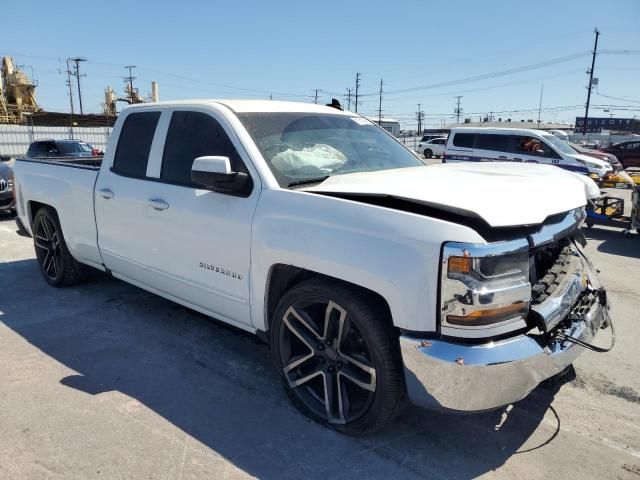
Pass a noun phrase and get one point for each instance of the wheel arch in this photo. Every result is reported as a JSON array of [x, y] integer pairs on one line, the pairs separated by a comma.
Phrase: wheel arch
[[282, 278], [33, 207]]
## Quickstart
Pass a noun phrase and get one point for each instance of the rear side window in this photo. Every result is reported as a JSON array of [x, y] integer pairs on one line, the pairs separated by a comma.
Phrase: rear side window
[[464, 140], [134, 144], [37, 148], [485, 141], [192, 135]]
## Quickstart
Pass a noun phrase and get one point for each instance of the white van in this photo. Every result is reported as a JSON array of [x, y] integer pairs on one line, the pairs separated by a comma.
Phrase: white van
[[467, 144]]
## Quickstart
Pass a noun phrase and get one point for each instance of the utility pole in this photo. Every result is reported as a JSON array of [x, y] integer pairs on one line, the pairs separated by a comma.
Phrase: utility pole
[[130, 78], [357, 89], [76, 73], [590, 86], [70, 96], [458, 110], [348, 97], [315, 100], [420, 115], [380, 105], [540, 104]]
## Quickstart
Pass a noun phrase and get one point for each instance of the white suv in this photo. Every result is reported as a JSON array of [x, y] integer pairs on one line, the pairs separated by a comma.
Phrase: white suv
[[432, 148]]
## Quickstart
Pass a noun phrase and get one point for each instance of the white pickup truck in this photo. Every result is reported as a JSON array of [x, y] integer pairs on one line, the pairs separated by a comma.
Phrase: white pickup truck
[[375, 279]]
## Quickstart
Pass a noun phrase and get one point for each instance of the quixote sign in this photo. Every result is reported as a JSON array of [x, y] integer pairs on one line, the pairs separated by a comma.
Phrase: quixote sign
[[595, 124]]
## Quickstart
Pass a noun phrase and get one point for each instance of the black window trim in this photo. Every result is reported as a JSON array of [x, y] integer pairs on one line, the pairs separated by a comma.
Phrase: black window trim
[[180, 184]]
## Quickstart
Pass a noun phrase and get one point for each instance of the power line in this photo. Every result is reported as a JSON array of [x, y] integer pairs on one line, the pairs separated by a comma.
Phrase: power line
[[76, 73], [458, 110], [590, 86], [615, 98], [420, 117], [348, 98], [511, 71], [380, 105], [129, 79], [357, 89], [70, 96]]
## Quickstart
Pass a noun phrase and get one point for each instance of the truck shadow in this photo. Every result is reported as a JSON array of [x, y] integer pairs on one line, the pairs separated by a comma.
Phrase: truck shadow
[[217, 385], [615, 242]]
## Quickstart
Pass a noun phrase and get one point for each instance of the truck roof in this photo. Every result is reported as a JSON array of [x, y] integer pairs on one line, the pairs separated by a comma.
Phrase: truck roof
[[241, 106]]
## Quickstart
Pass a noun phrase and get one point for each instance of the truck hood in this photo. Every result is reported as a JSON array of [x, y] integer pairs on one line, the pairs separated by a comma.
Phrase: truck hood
[[502, 194]]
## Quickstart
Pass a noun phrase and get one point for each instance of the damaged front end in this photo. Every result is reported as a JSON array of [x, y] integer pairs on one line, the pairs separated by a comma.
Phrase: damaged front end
[[512, 314]]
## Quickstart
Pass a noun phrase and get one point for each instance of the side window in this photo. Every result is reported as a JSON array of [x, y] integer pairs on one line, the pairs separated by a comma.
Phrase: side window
[[37, 148], [192, 135], [439, 141], [534, 146], [134, 144], [464, 140], [499, 143], [51, 148]]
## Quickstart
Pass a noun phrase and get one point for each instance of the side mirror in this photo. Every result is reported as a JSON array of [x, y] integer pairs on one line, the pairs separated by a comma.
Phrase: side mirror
[[214, 173]]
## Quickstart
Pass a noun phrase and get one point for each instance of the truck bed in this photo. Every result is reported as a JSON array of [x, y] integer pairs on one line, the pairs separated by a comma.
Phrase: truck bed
[[67, 186]]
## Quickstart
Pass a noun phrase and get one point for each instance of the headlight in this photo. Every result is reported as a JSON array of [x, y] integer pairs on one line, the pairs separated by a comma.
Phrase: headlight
[[485, 288]]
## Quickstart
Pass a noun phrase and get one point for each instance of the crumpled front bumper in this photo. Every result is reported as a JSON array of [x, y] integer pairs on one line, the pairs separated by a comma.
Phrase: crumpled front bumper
[[447, 375]]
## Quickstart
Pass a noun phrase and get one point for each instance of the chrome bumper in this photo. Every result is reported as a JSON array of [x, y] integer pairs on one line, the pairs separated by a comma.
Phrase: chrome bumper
[[446, 375]]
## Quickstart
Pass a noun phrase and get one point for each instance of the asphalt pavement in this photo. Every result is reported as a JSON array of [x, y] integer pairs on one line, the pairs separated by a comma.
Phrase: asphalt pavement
[[105, 380]]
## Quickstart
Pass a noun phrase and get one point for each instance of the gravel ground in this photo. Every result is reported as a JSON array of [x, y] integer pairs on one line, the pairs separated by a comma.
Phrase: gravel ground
[[105, 380]]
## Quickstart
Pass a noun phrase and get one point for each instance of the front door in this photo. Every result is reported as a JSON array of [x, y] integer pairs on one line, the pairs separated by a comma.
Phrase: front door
[[200, 238]]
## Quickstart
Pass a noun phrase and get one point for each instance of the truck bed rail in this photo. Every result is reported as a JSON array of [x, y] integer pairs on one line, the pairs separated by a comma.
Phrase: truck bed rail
[[89, 163]]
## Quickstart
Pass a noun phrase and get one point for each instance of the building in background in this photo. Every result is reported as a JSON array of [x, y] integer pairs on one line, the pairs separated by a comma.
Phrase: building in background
[[389, 124]]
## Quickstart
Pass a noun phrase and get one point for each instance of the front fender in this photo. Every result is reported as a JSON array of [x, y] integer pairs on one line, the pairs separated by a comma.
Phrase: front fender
[[393, 253]]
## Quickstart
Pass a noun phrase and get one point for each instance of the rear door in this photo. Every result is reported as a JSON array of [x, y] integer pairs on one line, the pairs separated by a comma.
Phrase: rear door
[[123, 189]]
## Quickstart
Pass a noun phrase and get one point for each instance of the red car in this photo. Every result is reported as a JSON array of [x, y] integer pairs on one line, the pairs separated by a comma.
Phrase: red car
[[627, 152]]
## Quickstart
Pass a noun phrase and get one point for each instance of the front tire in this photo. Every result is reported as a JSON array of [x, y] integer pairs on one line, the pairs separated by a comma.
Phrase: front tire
[[57, 265], [338, 355], [428, 153]]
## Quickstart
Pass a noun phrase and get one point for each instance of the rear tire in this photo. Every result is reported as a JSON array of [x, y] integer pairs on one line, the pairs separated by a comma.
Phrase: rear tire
[[428, 153], [57, 265], [338, 356]]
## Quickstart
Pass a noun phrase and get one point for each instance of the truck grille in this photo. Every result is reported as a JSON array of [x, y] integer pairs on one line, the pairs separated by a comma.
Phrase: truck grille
[[547, 268]]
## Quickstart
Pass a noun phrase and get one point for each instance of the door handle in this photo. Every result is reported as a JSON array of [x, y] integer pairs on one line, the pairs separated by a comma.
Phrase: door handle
[[502, 156], [518, 159], [158, 204], [106, 193]]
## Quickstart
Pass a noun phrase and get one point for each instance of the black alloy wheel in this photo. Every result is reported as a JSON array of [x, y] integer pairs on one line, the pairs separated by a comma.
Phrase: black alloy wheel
[[338, 357], [48, 248], [428, 153], [57, 265]]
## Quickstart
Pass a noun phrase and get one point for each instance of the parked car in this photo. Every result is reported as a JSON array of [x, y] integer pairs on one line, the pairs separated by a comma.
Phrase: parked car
[[467, 144], [61, 148], [628, 153], [607, 157], [374, 277], [433, 147], [426, 138], [7, 199]]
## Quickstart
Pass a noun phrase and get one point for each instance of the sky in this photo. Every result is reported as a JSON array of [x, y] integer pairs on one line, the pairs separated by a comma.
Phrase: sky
[[496, 54]]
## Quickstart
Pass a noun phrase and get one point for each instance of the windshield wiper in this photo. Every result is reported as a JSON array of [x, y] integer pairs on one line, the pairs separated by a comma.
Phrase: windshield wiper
[[308, 180]]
